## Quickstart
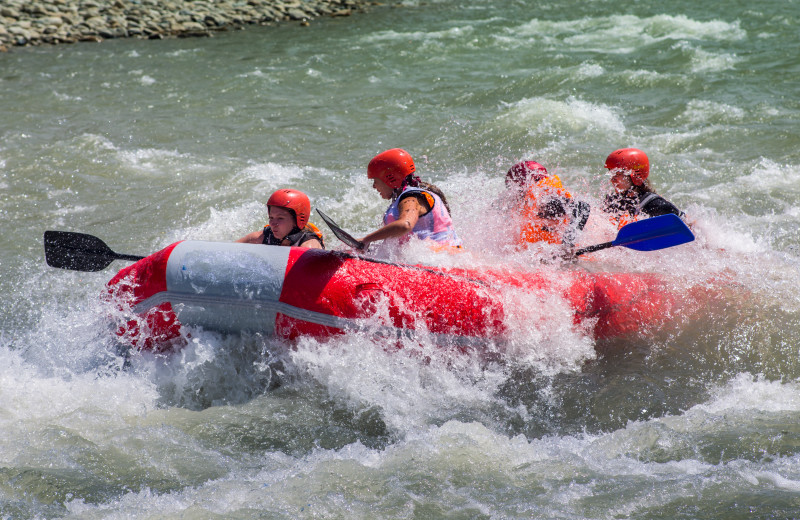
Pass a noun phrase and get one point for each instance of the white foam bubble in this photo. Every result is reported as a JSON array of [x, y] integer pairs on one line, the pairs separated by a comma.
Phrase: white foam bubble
[[73, 210], [769, 175], [544, 115], [30, 396], [625, 33], [275, 173], [411, 387], [681, 27], [777, 480], [211, 369], [257, 73], [706, 111], [66, 97], [99, 141], [356, 207], [452, 33], [590, 70], [704, 61], [746, 392], [228, 224], [153, 160]]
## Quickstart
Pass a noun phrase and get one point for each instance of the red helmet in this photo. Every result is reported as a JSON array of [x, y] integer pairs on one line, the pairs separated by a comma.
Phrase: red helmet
[[391, 166], [525, 171], [293, 200], [631, 160]]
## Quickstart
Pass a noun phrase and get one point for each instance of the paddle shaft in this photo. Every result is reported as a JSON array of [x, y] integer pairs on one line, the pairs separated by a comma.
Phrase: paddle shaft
[[591, 249], [132, 258]]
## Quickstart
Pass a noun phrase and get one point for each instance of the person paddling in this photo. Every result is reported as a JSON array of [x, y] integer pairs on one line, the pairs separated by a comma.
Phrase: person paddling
[[633, 197], [549, 213], [417, 207], [288, 212]]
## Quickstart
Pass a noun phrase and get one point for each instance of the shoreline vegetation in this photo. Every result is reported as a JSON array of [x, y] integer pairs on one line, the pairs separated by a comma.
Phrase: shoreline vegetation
[[40, 22]]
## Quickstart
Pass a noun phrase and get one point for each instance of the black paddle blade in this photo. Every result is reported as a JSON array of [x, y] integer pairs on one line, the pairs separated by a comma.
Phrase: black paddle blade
[[340, 233], [79, 251]]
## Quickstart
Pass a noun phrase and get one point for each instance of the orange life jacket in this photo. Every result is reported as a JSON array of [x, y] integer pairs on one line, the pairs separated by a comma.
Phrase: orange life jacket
[[314, 229], [535, 226], [624, 219]]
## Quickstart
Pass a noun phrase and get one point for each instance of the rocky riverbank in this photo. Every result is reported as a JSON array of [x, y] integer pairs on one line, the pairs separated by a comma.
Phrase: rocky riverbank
[[36, 22]]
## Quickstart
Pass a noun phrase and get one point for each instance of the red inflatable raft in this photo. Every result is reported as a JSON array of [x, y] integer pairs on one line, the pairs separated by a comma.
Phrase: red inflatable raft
[[292, 292]]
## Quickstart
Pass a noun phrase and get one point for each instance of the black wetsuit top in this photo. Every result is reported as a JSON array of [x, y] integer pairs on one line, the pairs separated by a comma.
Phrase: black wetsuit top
[[649, 203], [295, 238]]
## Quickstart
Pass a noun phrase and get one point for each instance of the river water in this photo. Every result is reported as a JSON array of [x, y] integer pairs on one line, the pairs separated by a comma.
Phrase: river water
[[143, 143]]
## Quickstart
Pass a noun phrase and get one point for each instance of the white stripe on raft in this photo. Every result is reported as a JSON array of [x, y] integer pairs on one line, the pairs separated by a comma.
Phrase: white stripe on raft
[[264, 313]]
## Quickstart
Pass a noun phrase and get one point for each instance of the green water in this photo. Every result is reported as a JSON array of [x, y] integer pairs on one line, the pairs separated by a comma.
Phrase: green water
[[143, 143]]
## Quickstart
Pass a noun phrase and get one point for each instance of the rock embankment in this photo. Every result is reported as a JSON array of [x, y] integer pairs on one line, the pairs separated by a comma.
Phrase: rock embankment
[[35, 22]]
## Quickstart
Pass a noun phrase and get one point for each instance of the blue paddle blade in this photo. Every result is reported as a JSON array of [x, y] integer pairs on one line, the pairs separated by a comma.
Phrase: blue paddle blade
[[654, 233]]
